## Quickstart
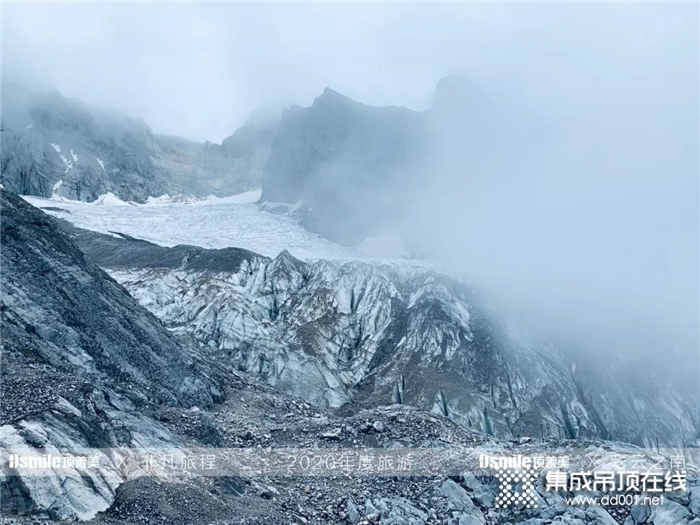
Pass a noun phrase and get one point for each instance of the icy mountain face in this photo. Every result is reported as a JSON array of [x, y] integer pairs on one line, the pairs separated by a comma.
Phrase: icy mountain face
[[51, 144], [83, 366], [338, 156], [356, 334]]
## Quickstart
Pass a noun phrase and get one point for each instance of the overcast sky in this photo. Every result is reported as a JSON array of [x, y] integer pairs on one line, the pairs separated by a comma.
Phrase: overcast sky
[[198, 70]]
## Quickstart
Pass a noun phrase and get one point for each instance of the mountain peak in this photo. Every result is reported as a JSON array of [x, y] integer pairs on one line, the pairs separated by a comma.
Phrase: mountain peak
[[328, 92], [331, 96]]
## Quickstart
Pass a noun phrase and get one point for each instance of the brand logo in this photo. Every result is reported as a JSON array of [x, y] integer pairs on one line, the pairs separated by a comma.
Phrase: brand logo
[[516, 477]]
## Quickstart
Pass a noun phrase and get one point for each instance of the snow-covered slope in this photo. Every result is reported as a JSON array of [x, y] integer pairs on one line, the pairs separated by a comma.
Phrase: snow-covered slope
[[209, 223]]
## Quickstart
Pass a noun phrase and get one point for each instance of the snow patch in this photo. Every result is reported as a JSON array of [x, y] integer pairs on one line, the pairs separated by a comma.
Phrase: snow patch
[[110, 199], [30, 126], [283, 208], [57, 185], [67, 163], [164, 200], [74, 155], [247, 197], [102, 164]]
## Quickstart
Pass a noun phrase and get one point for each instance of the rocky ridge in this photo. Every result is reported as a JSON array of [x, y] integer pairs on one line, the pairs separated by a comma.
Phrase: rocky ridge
[[83, 365], [53, 145]]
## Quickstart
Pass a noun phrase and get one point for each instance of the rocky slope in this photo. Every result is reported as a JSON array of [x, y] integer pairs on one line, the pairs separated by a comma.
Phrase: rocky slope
[[232, 167], [83, 366], [354, 335], [52, 144]]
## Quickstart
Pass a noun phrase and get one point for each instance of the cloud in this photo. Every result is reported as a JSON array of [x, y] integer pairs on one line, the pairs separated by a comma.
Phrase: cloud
[[582, 207], [198, 70]]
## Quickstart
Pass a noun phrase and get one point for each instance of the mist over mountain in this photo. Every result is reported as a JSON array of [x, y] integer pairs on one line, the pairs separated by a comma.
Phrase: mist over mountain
[[352, 170], [338, 157], [382, 355], [472, 183], [422, 239], [52, 145]]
